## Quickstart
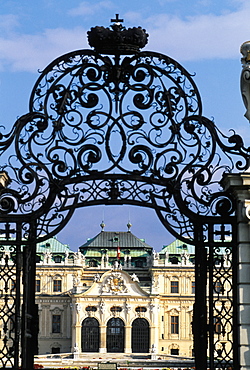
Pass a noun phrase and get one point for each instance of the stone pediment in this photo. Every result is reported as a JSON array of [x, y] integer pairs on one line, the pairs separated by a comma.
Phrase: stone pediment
[[115, 282]]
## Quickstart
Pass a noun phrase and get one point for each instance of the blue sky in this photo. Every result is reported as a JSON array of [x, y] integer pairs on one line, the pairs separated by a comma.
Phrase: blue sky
[[205, 36]]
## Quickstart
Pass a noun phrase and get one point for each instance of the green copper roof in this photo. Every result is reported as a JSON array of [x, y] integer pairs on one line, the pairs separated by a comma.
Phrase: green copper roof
[[113, 239], [113, 253], [52, 245], [178, 247]]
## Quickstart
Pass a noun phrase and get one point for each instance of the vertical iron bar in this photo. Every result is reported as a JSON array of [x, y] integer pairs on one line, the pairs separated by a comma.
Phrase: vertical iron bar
[[29, 313], [200, 307], [235, 264], [18, 295], [211, 297]]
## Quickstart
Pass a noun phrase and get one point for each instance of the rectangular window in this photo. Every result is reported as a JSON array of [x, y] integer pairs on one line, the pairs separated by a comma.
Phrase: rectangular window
[[55, 350], [174, 351], [174, 324], [56, 323], [58, 259], [174, 286], [217, 325], [218, 287], [38, 286], [193, 287], [57, 286], [13, 286]]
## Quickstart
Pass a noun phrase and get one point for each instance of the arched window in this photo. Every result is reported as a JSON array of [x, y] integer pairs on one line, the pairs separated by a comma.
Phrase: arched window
[[140, 336], [115, 335], [90, 335], [174, 260]]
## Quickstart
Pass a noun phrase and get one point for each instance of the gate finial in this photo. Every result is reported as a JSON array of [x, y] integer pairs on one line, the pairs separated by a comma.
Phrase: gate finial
[[116, 19], [102, 224], [117, 40]]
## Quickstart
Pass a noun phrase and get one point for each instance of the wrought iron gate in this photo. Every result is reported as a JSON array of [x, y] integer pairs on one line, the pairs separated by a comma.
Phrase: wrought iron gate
[[115, 335], [116, 125], [90, 335], [140, 336]]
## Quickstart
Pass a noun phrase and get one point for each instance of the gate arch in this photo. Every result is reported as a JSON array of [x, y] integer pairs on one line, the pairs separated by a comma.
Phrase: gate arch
[[140, 336], [90, 335], [120, 129], [115, 335]]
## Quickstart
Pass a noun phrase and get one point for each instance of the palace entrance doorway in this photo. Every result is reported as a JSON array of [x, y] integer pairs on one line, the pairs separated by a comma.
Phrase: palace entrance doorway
[[140, 336], [90, 335], [115, 335]]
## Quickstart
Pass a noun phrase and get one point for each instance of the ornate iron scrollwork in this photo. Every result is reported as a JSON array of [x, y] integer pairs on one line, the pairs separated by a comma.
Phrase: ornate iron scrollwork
[[124, 129], [128, 130]]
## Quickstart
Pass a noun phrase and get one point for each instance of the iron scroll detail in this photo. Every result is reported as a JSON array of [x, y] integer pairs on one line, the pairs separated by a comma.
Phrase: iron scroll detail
[[122, 131]]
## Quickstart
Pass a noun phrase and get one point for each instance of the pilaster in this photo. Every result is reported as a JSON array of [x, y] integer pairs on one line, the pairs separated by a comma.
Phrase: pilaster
[[239, 186], [128, 336], [103, 345]]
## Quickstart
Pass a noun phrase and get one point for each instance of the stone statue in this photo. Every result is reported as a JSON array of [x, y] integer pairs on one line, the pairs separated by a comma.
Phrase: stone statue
[[76, 348], [78, 307], [134, 277], [97, 278], [245, 77], [102, 307]]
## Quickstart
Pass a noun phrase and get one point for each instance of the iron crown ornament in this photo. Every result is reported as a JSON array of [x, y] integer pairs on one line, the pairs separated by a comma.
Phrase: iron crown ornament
[[117, 39]]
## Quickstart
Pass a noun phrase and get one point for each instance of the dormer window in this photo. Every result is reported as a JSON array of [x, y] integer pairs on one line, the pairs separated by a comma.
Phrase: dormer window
[[58, 259]]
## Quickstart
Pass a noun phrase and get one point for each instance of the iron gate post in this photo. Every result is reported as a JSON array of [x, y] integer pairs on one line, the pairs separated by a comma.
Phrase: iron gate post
[[200, 307], [29, 308], [19, 265]]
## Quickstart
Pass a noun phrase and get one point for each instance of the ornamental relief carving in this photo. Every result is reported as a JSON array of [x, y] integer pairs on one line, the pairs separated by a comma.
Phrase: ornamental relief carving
[[114, 284]]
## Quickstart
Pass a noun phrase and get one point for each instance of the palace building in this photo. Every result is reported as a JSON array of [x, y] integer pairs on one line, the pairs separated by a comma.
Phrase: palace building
[[116, 294]]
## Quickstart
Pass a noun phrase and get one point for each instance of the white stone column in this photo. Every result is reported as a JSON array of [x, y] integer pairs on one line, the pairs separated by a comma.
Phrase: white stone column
[[103, 345], [239, 184], [128, 337], [129, 262], [154, 329]]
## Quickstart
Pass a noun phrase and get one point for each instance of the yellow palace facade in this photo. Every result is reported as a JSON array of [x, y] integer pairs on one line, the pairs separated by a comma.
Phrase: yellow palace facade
[[115, 295], [91, 301]]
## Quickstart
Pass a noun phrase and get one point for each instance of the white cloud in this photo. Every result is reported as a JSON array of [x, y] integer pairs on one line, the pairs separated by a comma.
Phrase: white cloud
[[200, 37], [33, 52], [192, 38], [7, 23], [89, 8]]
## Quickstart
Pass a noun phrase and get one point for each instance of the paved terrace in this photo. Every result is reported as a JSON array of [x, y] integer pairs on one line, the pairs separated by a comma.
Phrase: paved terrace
[[113, 361]]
